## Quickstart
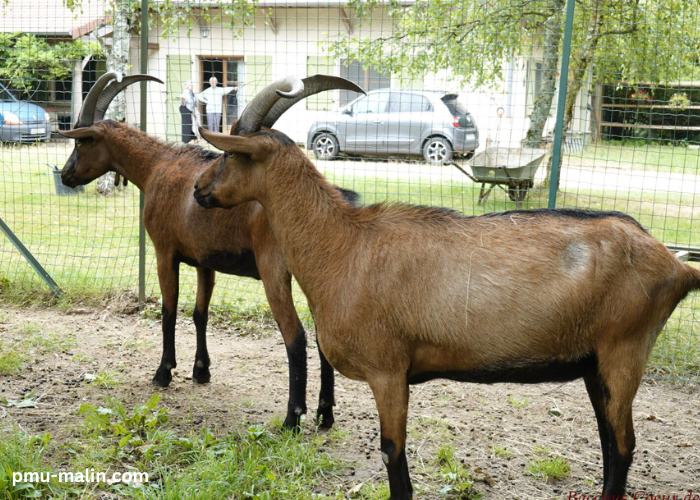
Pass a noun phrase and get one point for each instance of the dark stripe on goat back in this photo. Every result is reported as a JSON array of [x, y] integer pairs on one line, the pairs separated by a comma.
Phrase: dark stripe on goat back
[[437, 215], [195, 152], [532, 371], [571, 213], [349, 195]]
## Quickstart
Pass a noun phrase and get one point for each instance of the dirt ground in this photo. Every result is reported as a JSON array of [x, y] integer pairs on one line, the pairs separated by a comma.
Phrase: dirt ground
[[495, 430]]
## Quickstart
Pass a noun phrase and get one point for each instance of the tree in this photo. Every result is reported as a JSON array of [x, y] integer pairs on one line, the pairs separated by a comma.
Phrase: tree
[[472, 40], [28, 59]]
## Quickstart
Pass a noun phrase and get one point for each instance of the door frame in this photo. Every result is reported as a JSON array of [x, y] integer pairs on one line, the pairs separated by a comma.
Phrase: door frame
[[240, 83]]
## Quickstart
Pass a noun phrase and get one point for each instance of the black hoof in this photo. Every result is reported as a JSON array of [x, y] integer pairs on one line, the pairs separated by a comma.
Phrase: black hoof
[[324, 417], [200, 373], [292, 423], [162, 378]]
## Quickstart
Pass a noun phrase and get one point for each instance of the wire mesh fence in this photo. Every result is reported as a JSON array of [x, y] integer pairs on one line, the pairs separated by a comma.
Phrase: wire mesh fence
[[460, 113]]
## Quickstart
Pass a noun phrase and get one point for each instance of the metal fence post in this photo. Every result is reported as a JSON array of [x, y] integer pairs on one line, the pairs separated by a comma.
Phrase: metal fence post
[[561, 104], [144, 109]]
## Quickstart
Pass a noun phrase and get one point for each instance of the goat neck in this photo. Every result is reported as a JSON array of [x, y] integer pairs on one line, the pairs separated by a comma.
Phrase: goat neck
[[135, 154], [303, 222]]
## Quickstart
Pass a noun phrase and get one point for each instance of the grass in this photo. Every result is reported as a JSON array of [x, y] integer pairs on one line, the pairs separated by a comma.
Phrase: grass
[[638, 155], [29, 339], [252, 462], [550, 468], [89, 243], [518, 402]]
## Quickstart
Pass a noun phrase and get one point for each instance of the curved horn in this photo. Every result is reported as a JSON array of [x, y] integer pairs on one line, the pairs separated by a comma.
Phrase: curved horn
[[254, 114], [87, 112], [111, 91], [312, 85]]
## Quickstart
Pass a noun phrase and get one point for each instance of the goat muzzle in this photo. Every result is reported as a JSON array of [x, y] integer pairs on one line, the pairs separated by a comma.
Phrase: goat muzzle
[[204, 198]]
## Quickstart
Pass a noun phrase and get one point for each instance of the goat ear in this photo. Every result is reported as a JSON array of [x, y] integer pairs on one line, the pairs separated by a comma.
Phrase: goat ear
[[82, 133], [233, 143]]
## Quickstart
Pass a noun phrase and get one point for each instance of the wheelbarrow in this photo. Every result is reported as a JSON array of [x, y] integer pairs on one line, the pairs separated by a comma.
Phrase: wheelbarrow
[[511, 169]]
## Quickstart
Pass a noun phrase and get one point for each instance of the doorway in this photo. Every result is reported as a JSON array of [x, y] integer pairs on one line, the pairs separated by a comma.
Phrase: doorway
[[229, 71]]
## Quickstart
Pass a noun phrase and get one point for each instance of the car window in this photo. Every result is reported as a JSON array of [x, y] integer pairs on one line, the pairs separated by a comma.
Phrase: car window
[[5, 96], [408, 103], [456, 106], [374, 103]]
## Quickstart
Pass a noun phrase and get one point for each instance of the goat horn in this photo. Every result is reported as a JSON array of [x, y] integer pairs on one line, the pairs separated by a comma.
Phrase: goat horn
[[111, 91], [87, 112], [312, 85], [254, 114]]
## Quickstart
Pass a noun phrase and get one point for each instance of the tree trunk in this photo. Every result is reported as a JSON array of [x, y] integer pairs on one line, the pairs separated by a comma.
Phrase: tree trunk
[[543, 100], [117, 60]]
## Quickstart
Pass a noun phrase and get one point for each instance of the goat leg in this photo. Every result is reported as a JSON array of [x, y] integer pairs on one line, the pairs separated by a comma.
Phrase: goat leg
[[391, 395], [326, 399], [597, 394], [168, 276], [277, 281], [205, 287], [621, 387]]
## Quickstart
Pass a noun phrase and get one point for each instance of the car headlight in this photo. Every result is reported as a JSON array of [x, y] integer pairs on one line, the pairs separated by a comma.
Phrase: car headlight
[[47, 118], [11, 119]]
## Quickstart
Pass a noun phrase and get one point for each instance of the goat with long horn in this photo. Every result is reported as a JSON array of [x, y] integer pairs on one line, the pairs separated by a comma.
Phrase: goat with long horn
[[403, 294], [238, 242]]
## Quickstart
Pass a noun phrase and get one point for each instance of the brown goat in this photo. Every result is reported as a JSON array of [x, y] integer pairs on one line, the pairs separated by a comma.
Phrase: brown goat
[[404, 294], [237, 242]]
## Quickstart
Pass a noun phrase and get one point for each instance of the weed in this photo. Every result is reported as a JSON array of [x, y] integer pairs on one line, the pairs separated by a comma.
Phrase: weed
[[500, 451], [105, 378], [517, 402], [554, 468], [458, 482]]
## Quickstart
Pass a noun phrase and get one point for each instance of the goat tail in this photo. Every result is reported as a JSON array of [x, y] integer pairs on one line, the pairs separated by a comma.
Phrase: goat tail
[[693, 278]]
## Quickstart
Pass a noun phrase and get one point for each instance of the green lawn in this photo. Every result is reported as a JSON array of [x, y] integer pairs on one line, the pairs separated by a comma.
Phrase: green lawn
[[639, 156], [89, 243]]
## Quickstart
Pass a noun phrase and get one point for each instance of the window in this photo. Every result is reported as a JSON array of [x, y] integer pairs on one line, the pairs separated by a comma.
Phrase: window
[[534, 82], [375, 103], [408, 103], [368, 79]]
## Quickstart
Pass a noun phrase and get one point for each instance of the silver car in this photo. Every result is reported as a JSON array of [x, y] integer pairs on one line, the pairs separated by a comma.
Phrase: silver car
[[398, 122]]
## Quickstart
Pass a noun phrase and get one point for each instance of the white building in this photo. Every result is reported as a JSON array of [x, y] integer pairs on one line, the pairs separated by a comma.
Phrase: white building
[[286, 37]]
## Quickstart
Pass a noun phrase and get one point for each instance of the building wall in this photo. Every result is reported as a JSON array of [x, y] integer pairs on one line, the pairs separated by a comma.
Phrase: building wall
[[300, 33]]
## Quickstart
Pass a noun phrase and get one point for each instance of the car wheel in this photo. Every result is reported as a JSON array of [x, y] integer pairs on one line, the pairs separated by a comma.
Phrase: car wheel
[[326, 146], [437, 151]]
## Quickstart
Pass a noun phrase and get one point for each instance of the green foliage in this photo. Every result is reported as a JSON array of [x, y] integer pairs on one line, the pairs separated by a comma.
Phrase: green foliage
[[458, 482], [22, 452], [471, 39], [554, 468], [28, 58]]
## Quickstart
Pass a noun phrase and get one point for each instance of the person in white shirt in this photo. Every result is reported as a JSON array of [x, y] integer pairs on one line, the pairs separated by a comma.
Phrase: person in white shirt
[[213, 97]]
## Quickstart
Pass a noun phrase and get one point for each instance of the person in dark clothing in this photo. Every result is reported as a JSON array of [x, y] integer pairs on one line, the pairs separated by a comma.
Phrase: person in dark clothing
[[188, 104]]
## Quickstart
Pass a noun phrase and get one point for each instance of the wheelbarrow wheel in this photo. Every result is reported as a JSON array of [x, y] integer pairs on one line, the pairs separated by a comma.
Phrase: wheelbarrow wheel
[[518, 192]]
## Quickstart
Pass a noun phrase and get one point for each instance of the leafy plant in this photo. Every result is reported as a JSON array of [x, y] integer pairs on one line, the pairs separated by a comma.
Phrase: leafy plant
[[28, 58], [555, 468]]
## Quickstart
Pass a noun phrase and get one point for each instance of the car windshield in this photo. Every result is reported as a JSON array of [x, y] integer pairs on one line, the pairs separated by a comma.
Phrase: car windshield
[[456, 106], [5, 95]]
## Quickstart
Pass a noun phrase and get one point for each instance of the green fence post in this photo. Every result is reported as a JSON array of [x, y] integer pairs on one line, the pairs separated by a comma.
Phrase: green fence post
[[43, 273], [144, 110], [561, 103]]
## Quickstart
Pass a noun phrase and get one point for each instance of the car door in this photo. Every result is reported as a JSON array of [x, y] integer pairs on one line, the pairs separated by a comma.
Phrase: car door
[[365, 124], [406, 117]]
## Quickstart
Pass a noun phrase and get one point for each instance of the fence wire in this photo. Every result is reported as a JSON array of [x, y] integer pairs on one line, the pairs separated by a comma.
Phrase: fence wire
[[458, 91]]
